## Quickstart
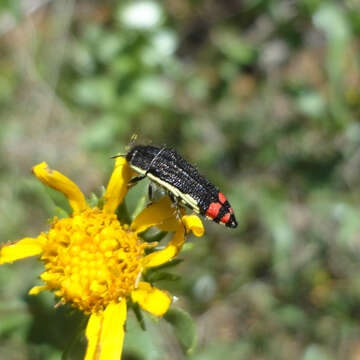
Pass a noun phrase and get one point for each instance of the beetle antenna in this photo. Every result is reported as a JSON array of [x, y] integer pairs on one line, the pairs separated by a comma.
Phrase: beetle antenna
[[133, 139], [127, 147], [117, 155], [132, 142]]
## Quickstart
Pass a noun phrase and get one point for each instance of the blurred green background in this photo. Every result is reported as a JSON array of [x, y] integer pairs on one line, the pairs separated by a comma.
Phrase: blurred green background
[[263, 96]]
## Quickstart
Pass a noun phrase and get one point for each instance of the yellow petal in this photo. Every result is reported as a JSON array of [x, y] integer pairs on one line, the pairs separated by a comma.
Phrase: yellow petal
[[21, 249], [112, 332], [170, 224], [193, 223], [61, 183], [118, 185], [151, 299], [38, 289], [156, 214], [171, 250], [93, 332]]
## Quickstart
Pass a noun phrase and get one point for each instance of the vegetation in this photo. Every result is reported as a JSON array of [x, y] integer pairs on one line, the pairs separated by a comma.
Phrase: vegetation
[[263, 96]]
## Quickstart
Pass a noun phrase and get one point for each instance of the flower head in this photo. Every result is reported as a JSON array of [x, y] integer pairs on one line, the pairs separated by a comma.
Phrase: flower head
[[95, 262]]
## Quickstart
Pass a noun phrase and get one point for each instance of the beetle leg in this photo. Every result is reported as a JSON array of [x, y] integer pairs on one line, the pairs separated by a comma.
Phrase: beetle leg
[[135, 179], [173, 198], [150, 192], [176, 204]]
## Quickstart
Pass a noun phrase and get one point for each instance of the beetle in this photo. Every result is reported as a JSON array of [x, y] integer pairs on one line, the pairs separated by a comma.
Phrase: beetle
[[184, 184]]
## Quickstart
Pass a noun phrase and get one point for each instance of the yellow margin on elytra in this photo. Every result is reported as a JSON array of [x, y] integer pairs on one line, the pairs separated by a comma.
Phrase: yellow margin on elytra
[[185, 198]]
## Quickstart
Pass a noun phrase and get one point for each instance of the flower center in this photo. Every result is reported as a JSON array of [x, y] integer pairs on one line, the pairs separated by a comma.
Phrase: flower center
[[91, 259]]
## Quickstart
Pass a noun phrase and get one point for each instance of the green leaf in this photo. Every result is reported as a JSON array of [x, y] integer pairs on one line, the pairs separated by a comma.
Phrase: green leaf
[[140, 206], [141, 344], [93, 200], [75, 339], [60, 213], [139, 315], [123, 214], [184, 328], [154, 237], [187, 246], [161, 276]]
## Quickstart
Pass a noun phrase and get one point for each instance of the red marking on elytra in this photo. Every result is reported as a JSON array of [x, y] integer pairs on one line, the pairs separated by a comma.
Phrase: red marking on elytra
[[225, 219], [231, 210], [222, 197], [213, 210]]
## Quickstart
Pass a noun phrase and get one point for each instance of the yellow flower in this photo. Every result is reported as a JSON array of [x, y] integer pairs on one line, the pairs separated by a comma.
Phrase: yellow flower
[[95, 262]]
